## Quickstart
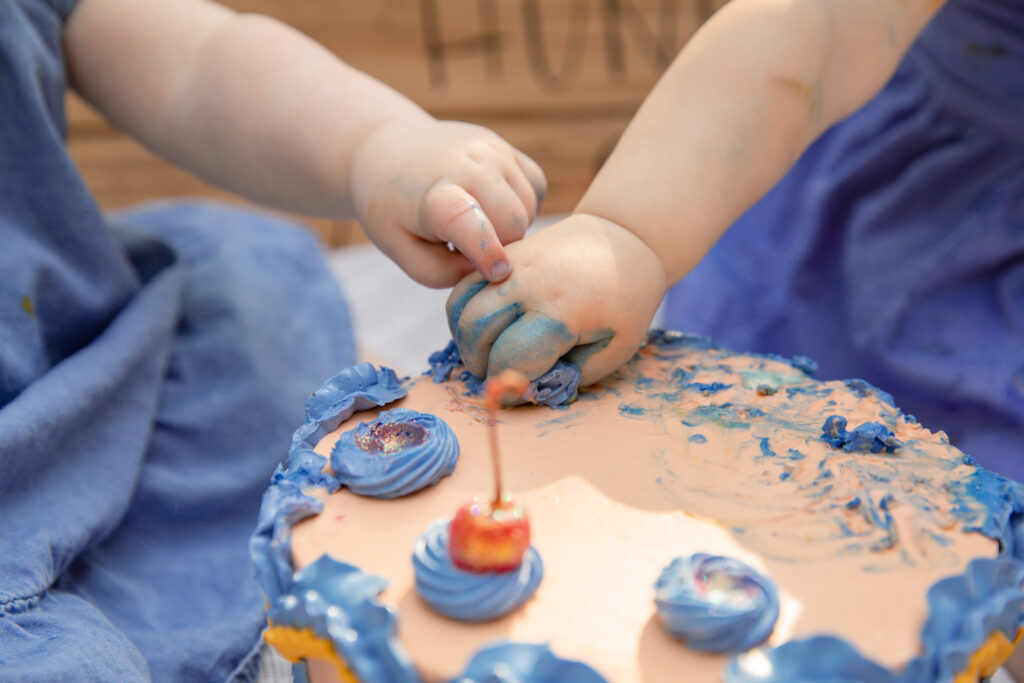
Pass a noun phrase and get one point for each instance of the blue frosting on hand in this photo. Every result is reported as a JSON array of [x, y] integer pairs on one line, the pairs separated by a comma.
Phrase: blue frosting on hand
[[870, 437], [525, 663], [339, 603], [716, 604], [557, 387], [400, 452], [813, 660], [470, 596]]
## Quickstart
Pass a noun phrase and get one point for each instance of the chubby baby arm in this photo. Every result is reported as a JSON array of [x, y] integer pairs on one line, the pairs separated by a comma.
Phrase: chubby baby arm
[[584, 289], [756, 85], [253, 106]]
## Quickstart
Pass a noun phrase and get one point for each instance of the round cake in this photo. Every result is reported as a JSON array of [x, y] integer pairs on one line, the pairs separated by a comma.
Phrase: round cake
[[700, 515]]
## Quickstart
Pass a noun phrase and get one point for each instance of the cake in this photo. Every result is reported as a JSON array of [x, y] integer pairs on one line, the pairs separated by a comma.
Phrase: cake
[[700, 515]]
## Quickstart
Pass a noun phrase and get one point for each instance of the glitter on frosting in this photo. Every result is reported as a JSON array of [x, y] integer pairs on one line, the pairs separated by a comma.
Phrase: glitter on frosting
[[470, 596], [716, 604], [339, 602], [524, 663], [400, 452]]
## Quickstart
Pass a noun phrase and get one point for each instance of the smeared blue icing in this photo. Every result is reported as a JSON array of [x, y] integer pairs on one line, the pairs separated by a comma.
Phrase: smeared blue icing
[[723, 414], [630, 410], [285, 503], [813, 660], [443, 362], [698, 438], [427, 450], [716, 604], [708, 389], [339, 603], [870, 437], [469, 596], [524, 663], [558, 387]]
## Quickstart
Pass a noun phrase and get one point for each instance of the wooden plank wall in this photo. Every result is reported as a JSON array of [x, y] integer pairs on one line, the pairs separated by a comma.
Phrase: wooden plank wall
[[557, 78]]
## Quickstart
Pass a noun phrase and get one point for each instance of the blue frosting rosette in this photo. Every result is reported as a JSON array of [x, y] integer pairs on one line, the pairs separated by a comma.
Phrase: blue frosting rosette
[[716, 604], [525, 663], [470, 596], [400, 452]]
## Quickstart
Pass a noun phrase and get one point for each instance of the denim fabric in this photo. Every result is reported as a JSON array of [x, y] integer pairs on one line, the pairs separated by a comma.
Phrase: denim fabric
[[152, 368], [894, 249]]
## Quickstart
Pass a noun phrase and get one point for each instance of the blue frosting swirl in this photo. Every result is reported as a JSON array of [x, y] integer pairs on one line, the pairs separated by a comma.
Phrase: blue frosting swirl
[[716, 604], [339, 603], [524, 663], [812, 660], [470, 596], [400, 452]]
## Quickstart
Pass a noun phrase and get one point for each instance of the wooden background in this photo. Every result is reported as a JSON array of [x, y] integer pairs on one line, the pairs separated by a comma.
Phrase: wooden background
[[559, 79]]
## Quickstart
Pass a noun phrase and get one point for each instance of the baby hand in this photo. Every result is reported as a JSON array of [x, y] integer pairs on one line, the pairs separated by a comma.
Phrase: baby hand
[[419, 184], [584, 289]]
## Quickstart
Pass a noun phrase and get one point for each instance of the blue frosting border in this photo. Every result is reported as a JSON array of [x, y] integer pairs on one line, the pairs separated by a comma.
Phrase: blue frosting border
[[964, 609], [286, 502], [524, 663], [338, 600]]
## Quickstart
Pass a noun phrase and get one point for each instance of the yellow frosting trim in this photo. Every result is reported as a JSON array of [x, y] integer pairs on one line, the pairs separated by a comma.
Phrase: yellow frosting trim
[[987, 659], [297, 644]]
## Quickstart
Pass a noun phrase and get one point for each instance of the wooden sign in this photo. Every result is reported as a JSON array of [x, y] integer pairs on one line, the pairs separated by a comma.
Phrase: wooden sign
[[559, 79]]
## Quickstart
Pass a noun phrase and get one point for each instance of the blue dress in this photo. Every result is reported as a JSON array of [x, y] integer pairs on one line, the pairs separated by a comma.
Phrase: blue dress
[[152, 368], [894, 249]]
